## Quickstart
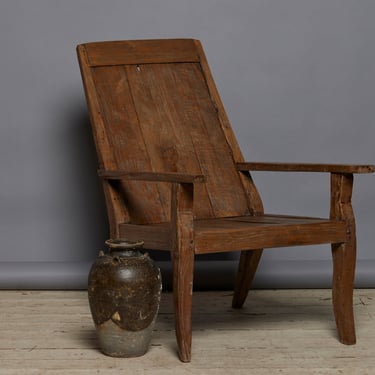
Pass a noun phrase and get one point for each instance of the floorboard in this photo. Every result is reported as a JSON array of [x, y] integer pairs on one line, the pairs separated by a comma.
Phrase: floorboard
[[277, 332]]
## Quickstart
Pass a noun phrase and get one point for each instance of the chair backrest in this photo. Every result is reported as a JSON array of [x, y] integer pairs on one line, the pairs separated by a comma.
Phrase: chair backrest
[[154, 107]]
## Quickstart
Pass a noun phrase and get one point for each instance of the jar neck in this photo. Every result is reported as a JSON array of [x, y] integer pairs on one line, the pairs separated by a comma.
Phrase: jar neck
[[125, 253]]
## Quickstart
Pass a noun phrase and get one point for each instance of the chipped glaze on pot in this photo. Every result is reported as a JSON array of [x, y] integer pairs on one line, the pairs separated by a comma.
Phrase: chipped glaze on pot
[[124, 289]]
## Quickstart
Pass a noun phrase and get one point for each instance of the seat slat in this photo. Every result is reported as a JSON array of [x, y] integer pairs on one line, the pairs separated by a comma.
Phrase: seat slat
[[276, 219]]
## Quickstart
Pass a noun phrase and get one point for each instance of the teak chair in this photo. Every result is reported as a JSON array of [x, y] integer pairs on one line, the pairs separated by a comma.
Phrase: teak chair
[[174, 176]]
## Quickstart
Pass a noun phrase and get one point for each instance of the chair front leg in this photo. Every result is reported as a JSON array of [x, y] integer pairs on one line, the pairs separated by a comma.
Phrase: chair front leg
[[344, 258], [183, 265]]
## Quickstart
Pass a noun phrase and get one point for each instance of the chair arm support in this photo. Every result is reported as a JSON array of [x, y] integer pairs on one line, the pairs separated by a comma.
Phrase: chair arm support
[[305, 167], [182, 188], [151, 176]]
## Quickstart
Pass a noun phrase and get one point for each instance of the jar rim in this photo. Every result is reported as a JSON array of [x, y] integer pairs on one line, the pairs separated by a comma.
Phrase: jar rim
[[122, 243]]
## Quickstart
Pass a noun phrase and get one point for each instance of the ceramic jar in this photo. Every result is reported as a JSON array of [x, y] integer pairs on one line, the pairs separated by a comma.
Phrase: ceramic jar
[[124, 289]]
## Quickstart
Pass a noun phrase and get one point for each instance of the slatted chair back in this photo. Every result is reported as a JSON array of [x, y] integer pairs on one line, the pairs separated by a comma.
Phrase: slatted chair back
[[154, 107]]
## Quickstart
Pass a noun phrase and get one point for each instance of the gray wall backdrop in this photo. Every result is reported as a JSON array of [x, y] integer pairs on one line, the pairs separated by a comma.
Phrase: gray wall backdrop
[[297, 78]]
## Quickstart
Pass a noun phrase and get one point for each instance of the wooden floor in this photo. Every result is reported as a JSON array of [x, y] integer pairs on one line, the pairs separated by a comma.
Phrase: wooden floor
[[278, 332]]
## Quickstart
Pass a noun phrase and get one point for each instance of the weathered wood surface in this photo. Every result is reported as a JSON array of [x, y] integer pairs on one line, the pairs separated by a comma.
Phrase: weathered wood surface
[[151, 176], [277, 332], [158, 120], [155, 117], [182, 228], [344, 257], [305, 167], [141, 52]]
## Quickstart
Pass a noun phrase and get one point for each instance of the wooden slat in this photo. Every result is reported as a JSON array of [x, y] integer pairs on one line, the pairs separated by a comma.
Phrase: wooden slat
[[127, 144], [117, 211], [277, 219], [180, 127], [225, 191], [305, 167], [254, 202], [176, 92], [141, 52], [168, 143]]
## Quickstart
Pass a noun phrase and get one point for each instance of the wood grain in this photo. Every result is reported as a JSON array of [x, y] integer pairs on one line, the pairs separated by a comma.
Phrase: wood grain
[[182, 234], [141, 52], [244, 233], [305, 167], [277, 332], [174, 175], [344, 258], [151, 176]]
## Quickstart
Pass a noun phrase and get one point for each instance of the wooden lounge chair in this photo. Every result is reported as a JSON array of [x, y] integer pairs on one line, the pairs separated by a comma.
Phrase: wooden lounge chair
[[174, 176]]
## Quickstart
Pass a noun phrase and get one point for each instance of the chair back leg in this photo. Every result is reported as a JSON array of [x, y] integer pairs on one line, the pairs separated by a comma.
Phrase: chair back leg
[[248, 265]]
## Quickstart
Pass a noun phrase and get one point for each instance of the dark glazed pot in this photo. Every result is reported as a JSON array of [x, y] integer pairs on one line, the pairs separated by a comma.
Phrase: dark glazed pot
[[124, 289]]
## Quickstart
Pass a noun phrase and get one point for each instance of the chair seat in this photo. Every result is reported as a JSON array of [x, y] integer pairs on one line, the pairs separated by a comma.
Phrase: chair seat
[[243, 233]]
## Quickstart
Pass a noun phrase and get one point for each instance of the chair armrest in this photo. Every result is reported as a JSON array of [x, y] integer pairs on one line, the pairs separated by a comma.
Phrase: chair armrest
[[151, 176], [306, 167]]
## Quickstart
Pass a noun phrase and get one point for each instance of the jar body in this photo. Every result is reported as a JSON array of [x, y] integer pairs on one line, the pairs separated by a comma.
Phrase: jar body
[[124, 290]]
